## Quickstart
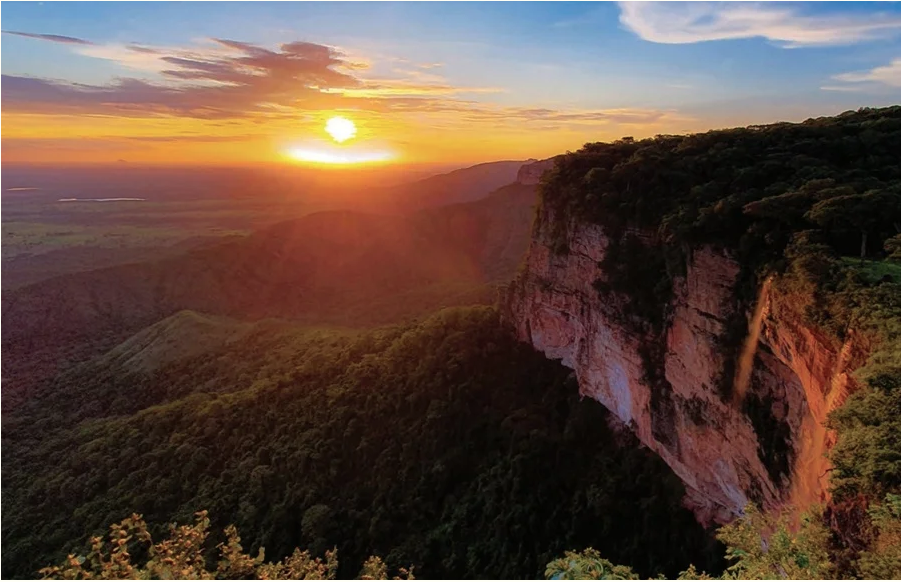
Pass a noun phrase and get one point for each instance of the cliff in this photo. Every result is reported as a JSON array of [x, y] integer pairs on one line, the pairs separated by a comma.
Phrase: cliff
[[768, 447], [530, 173]]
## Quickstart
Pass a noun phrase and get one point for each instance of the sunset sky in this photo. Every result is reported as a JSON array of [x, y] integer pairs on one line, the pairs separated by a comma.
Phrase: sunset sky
[[429, 82]]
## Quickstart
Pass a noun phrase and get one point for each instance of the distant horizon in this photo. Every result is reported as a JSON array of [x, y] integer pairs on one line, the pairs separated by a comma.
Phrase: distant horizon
[[398, 166]]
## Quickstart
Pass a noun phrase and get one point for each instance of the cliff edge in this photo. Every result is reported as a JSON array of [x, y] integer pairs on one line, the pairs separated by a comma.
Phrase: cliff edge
[[720, 293]]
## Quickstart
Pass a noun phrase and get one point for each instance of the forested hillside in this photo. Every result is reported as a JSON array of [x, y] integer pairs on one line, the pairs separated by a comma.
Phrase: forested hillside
[[339, 268], [444, 445]]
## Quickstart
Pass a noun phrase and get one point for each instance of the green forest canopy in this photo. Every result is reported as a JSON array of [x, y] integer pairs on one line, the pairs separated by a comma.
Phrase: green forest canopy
[[445, 445]]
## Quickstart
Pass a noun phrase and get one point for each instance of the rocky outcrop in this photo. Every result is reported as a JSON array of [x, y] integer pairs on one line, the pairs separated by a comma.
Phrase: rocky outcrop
[[768, 449], [530, 173]]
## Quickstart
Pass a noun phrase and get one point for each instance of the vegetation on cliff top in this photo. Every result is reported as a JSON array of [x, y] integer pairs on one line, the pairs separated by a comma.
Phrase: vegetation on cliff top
[[775, 196], [749, 188]]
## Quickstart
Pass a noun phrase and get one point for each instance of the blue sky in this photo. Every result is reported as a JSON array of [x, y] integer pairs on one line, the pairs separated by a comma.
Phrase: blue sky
[[694, 65]]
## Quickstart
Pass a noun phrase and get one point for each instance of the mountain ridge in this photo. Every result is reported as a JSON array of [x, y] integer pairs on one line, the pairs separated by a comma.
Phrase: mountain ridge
[[330, 267]]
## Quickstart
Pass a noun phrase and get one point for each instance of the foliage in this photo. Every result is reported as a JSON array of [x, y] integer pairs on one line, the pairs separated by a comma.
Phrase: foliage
[[874, 210], [874, 272], [629, 264], [867, 456], [770, 547], [183, 556], [587, 565], [721, 186], [446, 445], [883, 560], [759, 547], [893, 247], [765, 547]]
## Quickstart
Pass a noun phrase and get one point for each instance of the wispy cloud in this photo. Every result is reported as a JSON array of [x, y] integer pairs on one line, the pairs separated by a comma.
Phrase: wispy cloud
[[842, 88], [50, 37], [785, 25], [540, 118], [889, 74]]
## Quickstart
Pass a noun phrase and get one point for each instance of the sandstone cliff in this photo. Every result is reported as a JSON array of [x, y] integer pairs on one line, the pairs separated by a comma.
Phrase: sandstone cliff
[[768, 448]]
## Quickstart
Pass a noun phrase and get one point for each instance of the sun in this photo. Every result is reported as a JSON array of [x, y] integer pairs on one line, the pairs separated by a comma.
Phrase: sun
[[340, 128]]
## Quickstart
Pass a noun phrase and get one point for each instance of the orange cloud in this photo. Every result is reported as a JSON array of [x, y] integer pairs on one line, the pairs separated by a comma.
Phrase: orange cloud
[[215, 98]]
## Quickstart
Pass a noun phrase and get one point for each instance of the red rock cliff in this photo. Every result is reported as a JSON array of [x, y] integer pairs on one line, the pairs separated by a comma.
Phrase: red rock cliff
[[707, 439]]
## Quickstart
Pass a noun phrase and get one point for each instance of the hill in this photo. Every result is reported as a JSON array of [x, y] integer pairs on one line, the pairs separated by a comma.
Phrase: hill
[[169, 211], [463, 185], [337, 267], [183, 335]]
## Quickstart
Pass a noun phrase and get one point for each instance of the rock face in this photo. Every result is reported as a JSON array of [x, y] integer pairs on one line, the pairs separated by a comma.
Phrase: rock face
[[530, 173], [767, 449]]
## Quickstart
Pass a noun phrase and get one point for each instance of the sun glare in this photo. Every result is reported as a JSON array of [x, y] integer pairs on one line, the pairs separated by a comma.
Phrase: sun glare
[[342, 157], [340, 128]]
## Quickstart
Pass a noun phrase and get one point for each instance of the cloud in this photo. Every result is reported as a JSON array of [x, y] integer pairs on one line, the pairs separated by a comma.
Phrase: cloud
[[387, 88], [182, 138], [842, 88], [889, 74], [466, 112], [142, 49], [232, 81], [226, 78], [237, 80], [50, 37], [683, 23]]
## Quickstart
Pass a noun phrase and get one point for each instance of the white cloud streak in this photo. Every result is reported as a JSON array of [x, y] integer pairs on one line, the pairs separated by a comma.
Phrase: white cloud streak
[[889, 74], [784, 25]]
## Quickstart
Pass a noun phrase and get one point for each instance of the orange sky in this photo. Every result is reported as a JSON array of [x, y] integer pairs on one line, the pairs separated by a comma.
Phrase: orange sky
[[219, 101], [420, 137]]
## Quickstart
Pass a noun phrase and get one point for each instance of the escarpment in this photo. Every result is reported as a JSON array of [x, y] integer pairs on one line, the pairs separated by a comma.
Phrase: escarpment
[[767, 449], [718, 293]]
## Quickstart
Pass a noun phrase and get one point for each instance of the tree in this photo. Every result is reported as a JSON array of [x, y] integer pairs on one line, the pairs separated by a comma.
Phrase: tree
[[871, 211], [181, 557], [893, 247], [765, 547], [866, 456], [587, 565], [760, 547], [883, 560], [790, 207]]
